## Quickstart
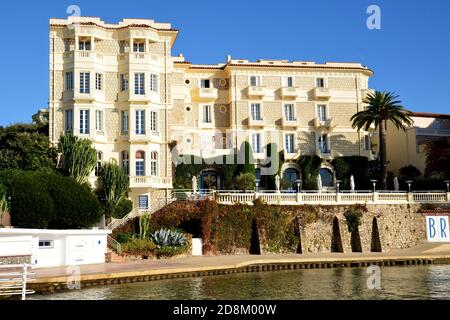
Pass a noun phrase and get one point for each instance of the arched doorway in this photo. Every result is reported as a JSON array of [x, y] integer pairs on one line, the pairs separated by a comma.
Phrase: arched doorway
[[290, 176], [209, 180], [327, 177]]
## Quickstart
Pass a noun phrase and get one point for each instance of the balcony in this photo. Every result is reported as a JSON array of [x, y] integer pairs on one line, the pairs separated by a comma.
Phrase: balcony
[[255, 122], [323, 124], [289, 123], [206, 94], [150, 182], [321, 93], [256, 91], [289, 92]]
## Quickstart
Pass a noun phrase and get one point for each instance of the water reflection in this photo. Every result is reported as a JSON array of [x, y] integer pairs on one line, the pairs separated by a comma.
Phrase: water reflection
[[408, 282]]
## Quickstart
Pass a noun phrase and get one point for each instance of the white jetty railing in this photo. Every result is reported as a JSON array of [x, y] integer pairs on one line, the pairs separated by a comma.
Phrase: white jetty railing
[[14, 278], [332, 198]]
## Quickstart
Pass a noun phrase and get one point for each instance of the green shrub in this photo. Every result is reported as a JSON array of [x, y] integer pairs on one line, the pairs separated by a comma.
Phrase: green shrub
[[353, 219], [310, 167], [245, 181], [122, 237], [171, 251], [123, 208], [136, 246], [409, 172], [357, 166]]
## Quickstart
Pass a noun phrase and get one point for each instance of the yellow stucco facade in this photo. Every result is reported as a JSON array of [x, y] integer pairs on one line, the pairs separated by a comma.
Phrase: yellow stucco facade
[[119, 86]]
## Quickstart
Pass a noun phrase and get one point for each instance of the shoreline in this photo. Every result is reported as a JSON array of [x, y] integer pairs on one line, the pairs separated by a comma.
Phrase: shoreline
[[49, 280]]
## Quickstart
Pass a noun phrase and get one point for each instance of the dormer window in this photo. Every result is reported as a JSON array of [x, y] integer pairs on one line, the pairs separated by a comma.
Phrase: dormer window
[[138, 46], [84, 44]]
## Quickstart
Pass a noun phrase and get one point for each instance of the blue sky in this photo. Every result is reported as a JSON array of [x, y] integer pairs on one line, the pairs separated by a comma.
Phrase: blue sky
[[410, 54]]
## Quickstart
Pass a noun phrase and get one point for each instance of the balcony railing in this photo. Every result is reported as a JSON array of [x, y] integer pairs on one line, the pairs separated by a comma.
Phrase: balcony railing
[[322, 93], [150, 181], [256, 91], [281, 198], [289, 92], [207, 93]]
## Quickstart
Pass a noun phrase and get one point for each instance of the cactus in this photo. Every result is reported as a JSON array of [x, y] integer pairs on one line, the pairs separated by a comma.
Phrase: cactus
[[168, 238], [144, 224]]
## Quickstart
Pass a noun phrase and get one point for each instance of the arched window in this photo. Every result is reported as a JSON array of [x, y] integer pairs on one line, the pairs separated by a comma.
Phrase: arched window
[[154, 163], [125, 161], [98, 167], [140, 163], [327, 177]]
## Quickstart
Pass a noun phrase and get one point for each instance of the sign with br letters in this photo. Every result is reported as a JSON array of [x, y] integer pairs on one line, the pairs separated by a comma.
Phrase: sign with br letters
[[438, 229]]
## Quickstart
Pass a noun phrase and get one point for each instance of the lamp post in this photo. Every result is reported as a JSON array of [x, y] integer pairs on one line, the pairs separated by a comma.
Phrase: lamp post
[[374, 183], [257, 184], [409, 182], [298, 185], [447, 182], [338, 182]]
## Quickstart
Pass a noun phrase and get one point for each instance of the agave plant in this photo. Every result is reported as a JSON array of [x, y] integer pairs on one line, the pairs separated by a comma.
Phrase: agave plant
[[168, 238]]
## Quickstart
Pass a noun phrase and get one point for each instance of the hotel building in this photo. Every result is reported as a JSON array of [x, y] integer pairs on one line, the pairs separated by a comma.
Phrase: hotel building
[[119, 86]]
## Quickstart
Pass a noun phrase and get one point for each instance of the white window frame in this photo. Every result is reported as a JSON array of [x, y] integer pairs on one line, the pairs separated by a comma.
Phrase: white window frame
[[124, 122], [99, 120], [46, 244], [154, 163], [258, 80], [143, 165], [294, 115], [286, 82], [258, 150], [153, 121], [250, 110], [326, 114], [202, 83], [153, 82], [146, 196], [83, 44], [139, 83], [140, 121], [85, 82], [99, 81], [203, 113], [324, 82], [289, 148], [85, 119], [139, 42]]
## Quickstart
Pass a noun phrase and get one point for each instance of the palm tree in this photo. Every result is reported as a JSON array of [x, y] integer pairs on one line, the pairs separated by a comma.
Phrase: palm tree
[[381, 108]]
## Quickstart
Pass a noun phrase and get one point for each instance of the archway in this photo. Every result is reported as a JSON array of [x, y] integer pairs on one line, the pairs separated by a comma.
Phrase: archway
[[327, 177], [290, 176]]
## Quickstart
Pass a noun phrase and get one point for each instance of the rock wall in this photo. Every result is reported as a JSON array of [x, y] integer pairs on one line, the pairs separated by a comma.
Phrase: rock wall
[[399, 227]]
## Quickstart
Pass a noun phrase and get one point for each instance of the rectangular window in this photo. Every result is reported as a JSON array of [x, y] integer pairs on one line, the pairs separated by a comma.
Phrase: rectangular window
[[153, 121], [69, 81], [98, 81], [85, 82], [256, 142], [125, 161], [289, 113], [138, 46], [367, 143], [320, 82], [140, 121], [207, 117], [99, 120], [140, 167], [124, 82], [289, 143], [84, 45], [124, 122], [255, 111], [46, 244], [84, 121], [289, 82], [322, 112], [255, 81], [154, 164], [153, 82], [69, 120], [323, 144], [143, 202], [139, 83], [205, 83]]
